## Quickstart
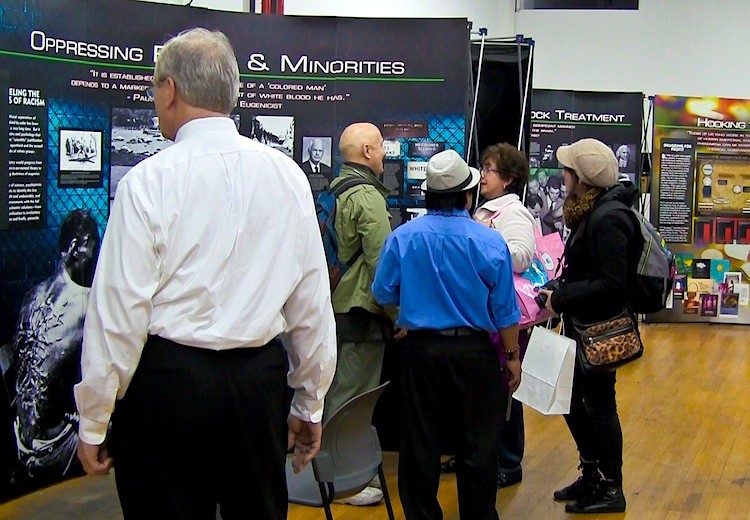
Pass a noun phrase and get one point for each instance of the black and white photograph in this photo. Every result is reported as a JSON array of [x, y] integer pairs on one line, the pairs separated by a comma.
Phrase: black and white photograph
[[548, 159], [316, 155], [275, 131], [626, 159], [545, 196], [135, 136], [80, 158], [80, 150], [316, 162], [42, 362]]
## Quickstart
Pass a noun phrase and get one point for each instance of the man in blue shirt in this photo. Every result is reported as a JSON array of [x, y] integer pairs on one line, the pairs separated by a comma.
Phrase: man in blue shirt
[[452, 278]]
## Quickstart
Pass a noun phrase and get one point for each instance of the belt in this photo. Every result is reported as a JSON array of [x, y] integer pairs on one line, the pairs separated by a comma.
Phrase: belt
[[455, 332]]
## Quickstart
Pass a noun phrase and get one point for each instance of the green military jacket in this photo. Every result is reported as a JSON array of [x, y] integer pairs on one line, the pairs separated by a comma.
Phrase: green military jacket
[[362, 218]]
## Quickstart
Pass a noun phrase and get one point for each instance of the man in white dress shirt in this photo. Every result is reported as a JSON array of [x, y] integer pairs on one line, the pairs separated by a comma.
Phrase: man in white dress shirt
[[212, 251]]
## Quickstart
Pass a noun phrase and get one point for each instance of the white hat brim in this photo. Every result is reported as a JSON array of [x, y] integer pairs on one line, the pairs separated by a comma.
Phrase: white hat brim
[[476, 176]]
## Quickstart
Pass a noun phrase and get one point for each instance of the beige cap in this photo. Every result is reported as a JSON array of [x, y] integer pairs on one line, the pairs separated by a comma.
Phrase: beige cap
[[592, 160], [447, 172]]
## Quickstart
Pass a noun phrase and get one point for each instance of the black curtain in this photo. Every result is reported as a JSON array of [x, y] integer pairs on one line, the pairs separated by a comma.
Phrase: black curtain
[[500, 98]]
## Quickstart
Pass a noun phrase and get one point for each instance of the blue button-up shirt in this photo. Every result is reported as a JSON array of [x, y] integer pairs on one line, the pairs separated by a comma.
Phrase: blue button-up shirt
[[444, 270]]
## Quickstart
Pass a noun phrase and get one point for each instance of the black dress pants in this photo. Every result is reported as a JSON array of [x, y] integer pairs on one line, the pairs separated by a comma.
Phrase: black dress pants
[[452, 381], [198, 428]]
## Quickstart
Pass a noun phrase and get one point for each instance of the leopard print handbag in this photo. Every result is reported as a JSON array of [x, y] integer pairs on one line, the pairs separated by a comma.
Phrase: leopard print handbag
[[606, 345]]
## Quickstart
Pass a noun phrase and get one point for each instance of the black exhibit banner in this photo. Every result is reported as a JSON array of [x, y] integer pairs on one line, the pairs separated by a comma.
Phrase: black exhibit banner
[[561, 117], [76, 116]]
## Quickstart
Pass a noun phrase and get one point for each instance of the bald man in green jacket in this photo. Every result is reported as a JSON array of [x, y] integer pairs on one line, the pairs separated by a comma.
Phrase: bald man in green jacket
[[362, 220]]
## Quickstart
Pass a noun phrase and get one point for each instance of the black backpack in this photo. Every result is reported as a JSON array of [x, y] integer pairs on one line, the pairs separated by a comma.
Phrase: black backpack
[[650, 283], [325, 207]]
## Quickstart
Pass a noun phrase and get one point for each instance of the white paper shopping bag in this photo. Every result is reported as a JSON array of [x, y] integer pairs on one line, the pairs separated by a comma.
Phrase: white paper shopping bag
[[547, 372]]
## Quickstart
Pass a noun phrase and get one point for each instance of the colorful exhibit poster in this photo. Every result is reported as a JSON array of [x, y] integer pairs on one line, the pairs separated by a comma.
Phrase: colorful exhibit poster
[[709, 304], [701, 194]]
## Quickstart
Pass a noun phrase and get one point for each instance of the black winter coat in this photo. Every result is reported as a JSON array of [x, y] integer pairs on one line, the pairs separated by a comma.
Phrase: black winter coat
[[599, 255]]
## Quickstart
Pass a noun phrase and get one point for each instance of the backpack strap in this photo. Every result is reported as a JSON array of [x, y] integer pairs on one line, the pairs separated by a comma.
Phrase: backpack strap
[[596, 214], [617, 205], [340, 188], [344, 185]]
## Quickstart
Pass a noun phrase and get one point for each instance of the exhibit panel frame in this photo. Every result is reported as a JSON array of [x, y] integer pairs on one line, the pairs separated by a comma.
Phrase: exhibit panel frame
[[77, 116], [700, 203], [561, 117]]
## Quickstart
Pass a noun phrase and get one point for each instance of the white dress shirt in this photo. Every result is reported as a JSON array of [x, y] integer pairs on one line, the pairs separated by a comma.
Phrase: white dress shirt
[[212, 243]]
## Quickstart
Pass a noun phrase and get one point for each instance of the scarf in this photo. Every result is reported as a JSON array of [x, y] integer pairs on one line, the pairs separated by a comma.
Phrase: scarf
[[576, 207]]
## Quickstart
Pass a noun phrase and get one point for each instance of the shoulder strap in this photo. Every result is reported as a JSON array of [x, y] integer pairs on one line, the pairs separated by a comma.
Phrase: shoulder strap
[[496, 214], [499, 212], [346, 184], [340, 188], [596, 215], [601, 209]]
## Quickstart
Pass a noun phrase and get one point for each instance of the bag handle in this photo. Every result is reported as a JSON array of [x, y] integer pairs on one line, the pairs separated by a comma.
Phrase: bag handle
[[549, 323], [562, 324], [497, 214], [548, 326]]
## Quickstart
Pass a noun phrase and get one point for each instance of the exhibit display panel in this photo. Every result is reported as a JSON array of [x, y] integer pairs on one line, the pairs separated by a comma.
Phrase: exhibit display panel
[[76, 116], [701, 204], [561, 117]]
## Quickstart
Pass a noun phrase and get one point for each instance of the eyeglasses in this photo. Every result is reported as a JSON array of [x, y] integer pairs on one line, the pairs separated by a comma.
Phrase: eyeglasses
[[150, 91], [487, 169]]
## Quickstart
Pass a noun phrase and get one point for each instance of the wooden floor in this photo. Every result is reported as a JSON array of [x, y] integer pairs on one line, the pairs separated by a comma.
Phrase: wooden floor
[[685, 412]]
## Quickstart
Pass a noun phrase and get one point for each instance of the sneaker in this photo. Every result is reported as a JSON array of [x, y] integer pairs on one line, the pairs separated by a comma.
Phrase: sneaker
[[376, 482], [585, 486], [579, 489], [367, 497], [608, 498]]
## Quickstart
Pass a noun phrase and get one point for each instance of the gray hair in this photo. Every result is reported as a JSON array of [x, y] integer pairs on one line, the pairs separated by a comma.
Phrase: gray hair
[[204, 68]]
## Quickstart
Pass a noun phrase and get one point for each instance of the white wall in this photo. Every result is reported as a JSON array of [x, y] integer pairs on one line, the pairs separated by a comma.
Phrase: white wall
[[494, 15], [680, 47]]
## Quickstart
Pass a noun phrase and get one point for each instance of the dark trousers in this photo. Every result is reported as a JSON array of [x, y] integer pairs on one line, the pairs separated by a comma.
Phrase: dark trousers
[[198, 428], [449, 383], [360, 349], [512, 438], [594, 423]]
